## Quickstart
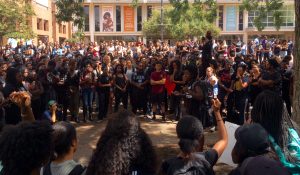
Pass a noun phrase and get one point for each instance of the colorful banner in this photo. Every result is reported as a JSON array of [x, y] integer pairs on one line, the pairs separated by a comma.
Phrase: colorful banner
[[128, 19], [231, 21], [107, 19]]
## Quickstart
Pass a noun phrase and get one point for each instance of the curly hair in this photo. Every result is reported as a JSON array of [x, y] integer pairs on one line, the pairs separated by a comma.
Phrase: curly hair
[[122, 147], [25, 147]]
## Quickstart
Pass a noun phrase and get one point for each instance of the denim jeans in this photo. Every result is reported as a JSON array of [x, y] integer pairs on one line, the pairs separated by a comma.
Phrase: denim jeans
[[87, 97]]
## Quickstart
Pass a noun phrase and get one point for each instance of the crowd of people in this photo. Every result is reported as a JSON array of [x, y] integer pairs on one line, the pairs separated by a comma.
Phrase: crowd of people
[[197, 83]]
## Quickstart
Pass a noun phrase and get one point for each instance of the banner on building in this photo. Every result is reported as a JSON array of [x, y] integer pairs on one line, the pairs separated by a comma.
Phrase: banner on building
[[231, 21], [128, 19], [107, 19]]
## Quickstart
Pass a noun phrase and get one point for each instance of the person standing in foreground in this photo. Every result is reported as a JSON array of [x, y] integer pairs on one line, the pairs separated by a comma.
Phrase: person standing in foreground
[[157, 81], [192, 159]]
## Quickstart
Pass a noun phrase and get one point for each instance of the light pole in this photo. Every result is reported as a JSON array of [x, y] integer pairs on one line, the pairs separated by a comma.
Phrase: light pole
[[161, 21]]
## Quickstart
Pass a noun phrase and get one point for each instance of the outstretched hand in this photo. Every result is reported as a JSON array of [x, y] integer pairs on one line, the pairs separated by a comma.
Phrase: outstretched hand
[[216, 105]]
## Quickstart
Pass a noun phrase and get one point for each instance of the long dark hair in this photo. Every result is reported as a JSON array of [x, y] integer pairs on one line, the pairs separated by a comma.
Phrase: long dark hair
[[122, 145], [267, 111], [11, 76]]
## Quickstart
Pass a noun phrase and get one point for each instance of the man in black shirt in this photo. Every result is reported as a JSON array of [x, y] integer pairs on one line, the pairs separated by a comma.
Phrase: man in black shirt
[[139, 93]]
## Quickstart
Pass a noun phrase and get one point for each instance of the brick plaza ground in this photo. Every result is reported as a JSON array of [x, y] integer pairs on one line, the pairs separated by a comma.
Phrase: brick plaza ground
[[162, 134]]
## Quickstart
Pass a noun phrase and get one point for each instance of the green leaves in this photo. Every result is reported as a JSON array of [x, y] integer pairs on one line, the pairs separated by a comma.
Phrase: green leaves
[[183, 20], [13, 19], [70, 10], [262, 9]]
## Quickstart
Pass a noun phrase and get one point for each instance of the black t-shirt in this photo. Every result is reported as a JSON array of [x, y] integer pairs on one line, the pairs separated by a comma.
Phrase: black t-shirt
[[204, 161], [104, 79], [276, 78]]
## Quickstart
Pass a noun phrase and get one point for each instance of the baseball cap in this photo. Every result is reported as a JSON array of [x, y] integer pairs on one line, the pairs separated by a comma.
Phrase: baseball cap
[[51, 102], [253, 137], [262, 165]]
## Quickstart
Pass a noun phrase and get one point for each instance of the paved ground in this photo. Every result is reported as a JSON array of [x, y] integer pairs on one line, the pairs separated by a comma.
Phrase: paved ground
[[163, 136]]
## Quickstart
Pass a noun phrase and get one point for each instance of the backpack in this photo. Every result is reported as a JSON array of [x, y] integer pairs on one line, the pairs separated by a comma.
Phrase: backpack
[[77, 170]]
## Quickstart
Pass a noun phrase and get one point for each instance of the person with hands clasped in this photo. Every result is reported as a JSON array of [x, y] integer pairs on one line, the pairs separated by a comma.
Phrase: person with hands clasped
[[51, 113], [192, 159]]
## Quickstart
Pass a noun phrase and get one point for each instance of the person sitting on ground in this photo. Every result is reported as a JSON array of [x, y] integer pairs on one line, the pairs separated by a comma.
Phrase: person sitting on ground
[[65, 145], [124, 148], [192, 159], [25, 148], [253, 154]]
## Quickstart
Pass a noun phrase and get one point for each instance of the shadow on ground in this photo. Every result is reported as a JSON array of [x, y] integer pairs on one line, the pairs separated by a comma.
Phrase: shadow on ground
[[162, 134]]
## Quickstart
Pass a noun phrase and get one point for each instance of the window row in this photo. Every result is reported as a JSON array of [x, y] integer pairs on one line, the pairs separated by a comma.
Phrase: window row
[[288, 17], [42, 24], [105, 21]]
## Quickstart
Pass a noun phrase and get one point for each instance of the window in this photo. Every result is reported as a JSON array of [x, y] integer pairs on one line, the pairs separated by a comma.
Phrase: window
[[241, 19], [221, 17], [139, 18], [149, 11], [60, 28], [39, 24], [118, 18], [97, 19], [64, 29], [46, 25], [87, 19], [288, 17]]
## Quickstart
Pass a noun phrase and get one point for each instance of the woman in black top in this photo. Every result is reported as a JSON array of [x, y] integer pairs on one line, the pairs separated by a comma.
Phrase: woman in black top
[[13, 84], [192, 159], [120, 83], [254, 88], [176, 77], [103, 88]]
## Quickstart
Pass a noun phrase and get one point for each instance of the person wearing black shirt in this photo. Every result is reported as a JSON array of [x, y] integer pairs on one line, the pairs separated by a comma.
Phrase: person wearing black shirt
[[286, 85], [192, 159], [13, 84], [139, 93], [176, 77], [103, 88], [72, 81], [120, 83], [271, 78]]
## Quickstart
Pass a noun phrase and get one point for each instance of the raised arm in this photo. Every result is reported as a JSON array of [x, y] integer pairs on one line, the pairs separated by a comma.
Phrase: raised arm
[[223, 137]]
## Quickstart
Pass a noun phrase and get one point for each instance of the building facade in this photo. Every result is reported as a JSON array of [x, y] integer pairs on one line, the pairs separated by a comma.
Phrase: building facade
[[44, 23], [116, 20]]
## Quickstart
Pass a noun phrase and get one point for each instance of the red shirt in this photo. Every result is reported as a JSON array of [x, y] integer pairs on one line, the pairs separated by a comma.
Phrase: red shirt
[[157, 76]]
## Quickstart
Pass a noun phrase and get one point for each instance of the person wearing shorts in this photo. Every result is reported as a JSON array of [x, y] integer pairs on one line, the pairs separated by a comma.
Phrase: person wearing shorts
[[157, 81]]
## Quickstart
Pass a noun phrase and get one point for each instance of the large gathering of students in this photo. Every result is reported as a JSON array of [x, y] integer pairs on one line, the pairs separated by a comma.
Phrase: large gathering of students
[[200, 84]]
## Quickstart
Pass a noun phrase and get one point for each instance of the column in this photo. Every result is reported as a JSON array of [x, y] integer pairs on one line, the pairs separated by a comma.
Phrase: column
[[92, 21]]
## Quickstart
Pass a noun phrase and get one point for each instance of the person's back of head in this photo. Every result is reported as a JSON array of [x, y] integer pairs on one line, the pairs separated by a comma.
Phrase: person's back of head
[[122, 145], [253, 154], [25, 148], [267, 111], [64, 139], [190, 133]]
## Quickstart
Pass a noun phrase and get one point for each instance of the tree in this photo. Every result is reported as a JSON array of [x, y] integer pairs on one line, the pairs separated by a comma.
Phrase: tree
[[183, 20], [70, 11], [262, 9], [296, 94], [15, 16], [76, 37]]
